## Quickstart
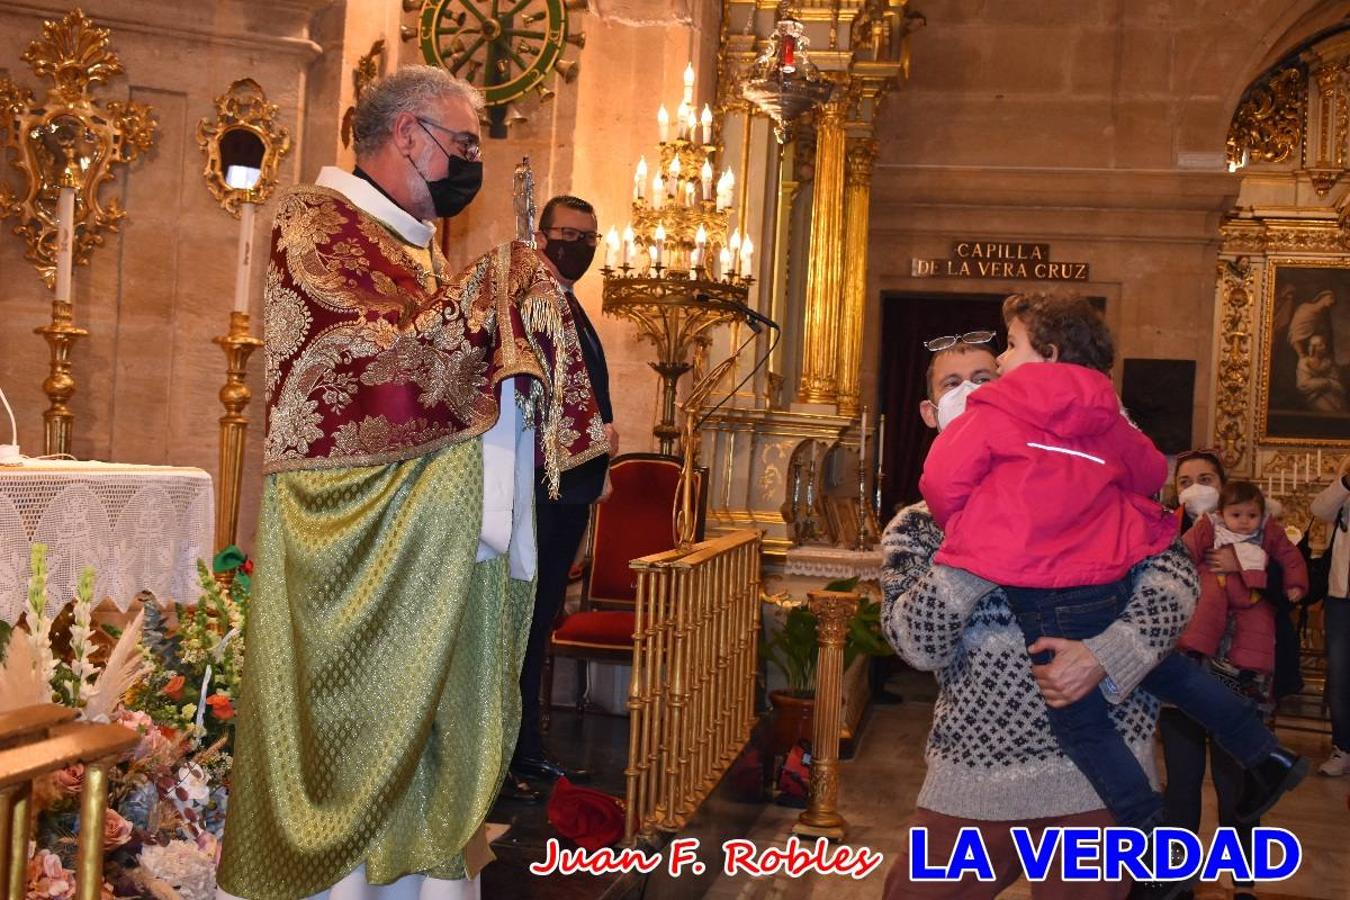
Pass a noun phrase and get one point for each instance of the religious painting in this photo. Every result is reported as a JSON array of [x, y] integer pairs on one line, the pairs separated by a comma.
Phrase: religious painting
[[1304, 380]]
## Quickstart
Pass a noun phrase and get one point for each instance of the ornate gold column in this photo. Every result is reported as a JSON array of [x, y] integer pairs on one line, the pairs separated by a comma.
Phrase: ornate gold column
[[833, 611], [825, 262], [862, 152]]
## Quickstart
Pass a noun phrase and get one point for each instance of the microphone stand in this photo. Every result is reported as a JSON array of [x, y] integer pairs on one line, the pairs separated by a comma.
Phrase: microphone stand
[[686, 512]]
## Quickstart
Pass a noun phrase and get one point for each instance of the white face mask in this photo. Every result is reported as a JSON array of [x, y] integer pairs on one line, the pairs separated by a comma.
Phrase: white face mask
[[1199, 499], [953, 403]]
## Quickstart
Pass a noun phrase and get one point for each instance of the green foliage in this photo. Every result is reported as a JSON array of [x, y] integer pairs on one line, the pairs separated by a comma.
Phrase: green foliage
[[793, 650]]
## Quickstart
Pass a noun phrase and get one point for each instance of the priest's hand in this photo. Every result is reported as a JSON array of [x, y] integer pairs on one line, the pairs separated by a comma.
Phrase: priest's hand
[[606, 490], [612, 438], [1070, 676]]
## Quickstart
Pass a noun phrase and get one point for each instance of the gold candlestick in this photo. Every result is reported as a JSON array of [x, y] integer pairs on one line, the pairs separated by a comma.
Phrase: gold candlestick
[[59, 384], [833, 611], [234, 396]]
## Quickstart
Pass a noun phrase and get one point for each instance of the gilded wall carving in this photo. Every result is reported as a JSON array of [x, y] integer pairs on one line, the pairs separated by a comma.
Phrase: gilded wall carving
[[1268, 124], [1233, 376]]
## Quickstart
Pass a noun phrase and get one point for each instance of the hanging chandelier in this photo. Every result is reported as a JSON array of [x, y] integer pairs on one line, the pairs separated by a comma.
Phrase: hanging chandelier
[[783, 83]]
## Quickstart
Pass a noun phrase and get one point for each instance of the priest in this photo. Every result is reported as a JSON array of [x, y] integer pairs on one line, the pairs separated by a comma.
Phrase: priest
[[406, 408]]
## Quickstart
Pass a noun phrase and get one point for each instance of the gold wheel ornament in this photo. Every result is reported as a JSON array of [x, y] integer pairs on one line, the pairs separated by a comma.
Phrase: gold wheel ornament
[[67, 139], [505, 48]]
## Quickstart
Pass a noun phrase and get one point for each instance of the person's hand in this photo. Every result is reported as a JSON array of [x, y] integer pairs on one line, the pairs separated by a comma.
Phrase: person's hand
[[612, 438], [1070, 676], [1294, 594], [1222, 561], [606, 490]]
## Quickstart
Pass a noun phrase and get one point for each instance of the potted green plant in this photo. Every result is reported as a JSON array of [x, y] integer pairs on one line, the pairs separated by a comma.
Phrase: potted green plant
[[793, 651]]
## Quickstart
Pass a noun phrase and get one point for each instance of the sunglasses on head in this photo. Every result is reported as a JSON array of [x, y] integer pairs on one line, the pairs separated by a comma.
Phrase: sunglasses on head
[[933, 345]]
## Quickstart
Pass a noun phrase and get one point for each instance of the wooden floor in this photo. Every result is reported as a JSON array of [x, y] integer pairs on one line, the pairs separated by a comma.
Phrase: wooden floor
[[879, 786]]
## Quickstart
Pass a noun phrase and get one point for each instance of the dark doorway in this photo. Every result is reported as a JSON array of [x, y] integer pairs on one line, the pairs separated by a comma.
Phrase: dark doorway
[[909, 319]]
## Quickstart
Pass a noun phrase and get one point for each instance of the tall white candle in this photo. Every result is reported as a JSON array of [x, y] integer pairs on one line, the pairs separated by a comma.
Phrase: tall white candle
[[65, 242], [724, 263], [242, 278], [747, 251], [658, 191], [862, 437], [706, 121], [612, 247], [663, 123], [881, 438]]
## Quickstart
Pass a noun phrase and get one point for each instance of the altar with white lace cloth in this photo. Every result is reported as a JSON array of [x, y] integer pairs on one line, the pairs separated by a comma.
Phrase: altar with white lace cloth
[[141, 528]]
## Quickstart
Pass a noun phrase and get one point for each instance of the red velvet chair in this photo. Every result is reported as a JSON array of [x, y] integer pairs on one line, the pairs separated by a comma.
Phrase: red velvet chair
[[637, 520]]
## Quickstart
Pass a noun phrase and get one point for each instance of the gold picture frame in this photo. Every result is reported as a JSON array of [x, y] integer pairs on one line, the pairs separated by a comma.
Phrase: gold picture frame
[[1303, 372], [244, 132], [68, 139]]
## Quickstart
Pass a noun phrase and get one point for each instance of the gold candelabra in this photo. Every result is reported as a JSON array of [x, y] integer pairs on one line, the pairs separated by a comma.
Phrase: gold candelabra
[[59, 385], [675, 272], [234, 396]]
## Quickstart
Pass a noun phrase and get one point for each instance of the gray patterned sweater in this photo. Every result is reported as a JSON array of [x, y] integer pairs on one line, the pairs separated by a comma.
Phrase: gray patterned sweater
[[990, 754]]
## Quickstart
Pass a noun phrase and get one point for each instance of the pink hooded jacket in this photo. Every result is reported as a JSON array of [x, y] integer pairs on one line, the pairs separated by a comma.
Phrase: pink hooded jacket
[[1044, 483]]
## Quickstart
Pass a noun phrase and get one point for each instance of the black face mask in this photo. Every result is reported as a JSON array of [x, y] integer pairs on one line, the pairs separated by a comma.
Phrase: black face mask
[[570, 258], [451, 194]]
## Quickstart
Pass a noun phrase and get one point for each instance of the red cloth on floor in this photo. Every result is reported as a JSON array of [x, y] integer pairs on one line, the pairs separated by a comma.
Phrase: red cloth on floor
[[591, 818]]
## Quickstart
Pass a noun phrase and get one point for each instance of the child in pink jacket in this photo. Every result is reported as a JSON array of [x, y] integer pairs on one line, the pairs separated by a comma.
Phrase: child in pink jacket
[[1042, 486], [1258, 541]]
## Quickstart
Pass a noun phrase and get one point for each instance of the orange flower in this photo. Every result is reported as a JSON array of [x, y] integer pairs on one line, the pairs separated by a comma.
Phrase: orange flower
[[221, 707], [174, 689]]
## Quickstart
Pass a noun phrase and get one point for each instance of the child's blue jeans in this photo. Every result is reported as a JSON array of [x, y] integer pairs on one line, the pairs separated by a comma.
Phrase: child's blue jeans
[[1084, 728]]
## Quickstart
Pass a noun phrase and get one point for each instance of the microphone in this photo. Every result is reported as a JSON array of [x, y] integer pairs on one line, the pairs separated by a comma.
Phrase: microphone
[[756, 320]]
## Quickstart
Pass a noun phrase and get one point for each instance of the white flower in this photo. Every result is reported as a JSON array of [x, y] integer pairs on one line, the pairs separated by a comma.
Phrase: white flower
[[193, 783], [182, 865]]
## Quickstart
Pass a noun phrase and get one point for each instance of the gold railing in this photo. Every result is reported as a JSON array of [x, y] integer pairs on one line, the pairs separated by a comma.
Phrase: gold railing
[[39, 740], [691, 700]]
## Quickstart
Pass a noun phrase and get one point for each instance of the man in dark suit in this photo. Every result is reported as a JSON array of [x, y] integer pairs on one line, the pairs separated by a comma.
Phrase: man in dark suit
[[567, 237]]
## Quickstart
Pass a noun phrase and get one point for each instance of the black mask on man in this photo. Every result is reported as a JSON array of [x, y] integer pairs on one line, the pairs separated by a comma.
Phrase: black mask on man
[[451, 194], [570, 258]]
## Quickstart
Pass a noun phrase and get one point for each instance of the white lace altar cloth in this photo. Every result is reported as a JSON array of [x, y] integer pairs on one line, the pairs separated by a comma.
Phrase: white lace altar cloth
[[139, 527], [833, 563]]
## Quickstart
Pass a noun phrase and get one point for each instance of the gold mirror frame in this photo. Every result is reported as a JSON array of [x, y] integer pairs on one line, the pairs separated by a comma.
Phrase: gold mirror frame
[[74, 54], [243, 107]]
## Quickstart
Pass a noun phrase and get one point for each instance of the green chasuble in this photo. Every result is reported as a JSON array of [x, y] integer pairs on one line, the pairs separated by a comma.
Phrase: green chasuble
[[380, 701], [380, 706]]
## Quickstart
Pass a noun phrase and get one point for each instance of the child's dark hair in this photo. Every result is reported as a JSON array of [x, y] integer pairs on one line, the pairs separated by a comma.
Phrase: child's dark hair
[[1235, 492], [1067, 323]]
